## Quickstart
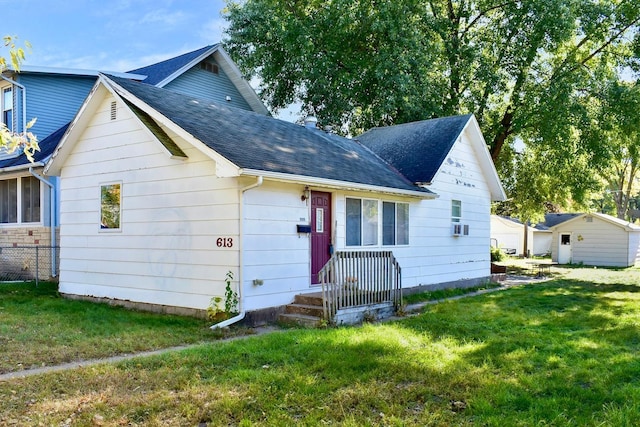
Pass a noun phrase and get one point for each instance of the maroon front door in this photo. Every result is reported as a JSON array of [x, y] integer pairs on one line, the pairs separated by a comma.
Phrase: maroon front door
[[320, 232]]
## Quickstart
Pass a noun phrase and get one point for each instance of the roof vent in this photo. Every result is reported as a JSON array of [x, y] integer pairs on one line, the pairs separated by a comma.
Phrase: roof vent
[[114, 109], [210, 67], [310, 122]]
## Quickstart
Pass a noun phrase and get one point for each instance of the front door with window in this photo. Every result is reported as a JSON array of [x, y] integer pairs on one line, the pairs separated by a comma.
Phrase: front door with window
[[320, 232]]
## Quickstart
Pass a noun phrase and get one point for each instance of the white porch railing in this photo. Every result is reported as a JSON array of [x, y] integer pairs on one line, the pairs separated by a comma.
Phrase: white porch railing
[[360, 278]]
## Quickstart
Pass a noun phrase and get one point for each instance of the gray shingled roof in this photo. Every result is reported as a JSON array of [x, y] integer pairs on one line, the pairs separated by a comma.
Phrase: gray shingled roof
[[553, 219], [416, 149], [47, 146], [158, 72], [255, 141]]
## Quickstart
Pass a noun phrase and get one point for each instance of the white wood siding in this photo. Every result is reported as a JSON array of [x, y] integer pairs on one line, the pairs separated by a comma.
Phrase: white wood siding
[[510, 235], [278, 255], [173, 212], [273, 250], [433, 255], [594, 243]]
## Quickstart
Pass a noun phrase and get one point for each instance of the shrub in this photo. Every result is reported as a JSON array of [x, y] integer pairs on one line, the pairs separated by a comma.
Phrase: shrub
[[497, 254]]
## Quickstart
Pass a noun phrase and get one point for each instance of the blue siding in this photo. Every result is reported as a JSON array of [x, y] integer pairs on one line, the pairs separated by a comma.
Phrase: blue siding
[[206, 85], [54, 100]]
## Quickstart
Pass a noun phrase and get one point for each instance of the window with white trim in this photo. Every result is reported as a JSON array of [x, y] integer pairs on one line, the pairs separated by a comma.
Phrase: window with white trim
[[367, 224], [456, 211], [20, 196], [9, 201], [362, 222], [30, 200], [395, 223], [7, 107], [110, 202]]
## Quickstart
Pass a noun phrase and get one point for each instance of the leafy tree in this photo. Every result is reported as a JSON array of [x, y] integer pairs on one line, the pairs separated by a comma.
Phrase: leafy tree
[[523, 67], [620, 115], [12, 141]]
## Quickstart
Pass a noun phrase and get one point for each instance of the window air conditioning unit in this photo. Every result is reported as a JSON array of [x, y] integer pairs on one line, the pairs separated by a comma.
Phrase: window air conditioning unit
[[458, 229]]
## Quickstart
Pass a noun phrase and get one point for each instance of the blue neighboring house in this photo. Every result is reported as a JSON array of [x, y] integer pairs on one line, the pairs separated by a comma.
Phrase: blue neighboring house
[[28, 201]]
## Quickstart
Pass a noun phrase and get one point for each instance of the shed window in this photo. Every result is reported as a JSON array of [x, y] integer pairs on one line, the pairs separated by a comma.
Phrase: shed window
[[110, 201]]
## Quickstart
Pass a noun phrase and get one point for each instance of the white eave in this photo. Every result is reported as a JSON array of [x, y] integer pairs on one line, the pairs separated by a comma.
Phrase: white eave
[[486, 163], [336, 184]]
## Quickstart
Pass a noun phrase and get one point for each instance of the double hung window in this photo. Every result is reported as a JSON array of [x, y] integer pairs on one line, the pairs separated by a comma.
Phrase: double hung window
[[7, 107]]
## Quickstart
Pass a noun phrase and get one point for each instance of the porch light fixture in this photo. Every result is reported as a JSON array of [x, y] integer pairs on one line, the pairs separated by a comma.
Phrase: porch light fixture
[[305, 194]]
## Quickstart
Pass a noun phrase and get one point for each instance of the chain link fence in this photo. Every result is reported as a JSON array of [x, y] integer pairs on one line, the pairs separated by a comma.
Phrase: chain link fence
[[28, 263]]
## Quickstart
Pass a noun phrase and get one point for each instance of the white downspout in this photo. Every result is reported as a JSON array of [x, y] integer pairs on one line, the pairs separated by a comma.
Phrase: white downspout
[[243, 312], [24, 100], [52, 223]]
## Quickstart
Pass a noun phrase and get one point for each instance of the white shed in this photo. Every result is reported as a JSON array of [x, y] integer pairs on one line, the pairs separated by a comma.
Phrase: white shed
[[508, 235], [596, 239]]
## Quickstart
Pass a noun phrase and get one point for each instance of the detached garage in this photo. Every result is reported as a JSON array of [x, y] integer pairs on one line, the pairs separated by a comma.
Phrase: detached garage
[[596, 239]]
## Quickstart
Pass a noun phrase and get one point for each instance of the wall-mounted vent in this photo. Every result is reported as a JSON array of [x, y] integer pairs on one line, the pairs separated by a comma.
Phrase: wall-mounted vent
[[114, 110], [210, 67]]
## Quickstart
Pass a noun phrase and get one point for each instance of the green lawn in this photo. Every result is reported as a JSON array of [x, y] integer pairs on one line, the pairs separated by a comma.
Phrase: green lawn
[[39, 328], [562, 352]]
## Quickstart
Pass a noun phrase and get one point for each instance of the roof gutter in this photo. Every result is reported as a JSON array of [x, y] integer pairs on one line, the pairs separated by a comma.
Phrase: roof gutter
[[343, 185], [21, 167], [52, 223], [24, 100], [243, 312]]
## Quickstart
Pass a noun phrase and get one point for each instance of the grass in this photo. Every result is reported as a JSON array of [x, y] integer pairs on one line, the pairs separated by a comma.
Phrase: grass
[[39, 328], [441, 294], [562, 352]]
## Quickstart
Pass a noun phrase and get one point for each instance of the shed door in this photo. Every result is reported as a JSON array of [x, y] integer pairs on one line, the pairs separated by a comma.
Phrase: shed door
[[320, 232], [564, 248]]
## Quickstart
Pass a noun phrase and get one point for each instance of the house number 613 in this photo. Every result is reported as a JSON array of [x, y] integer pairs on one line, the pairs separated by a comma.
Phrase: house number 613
[[224, 242]]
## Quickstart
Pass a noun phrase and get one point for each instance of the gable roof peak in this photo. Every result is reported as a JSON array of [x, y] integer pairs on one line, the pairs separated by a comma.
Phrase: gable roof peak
[[163, 70]]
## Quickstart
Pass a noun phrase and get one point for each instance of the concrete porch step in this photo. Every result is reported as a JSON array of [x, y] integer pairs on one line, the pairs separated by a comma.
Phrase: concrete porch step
[[300, 319], [309, 299], [306, 309]]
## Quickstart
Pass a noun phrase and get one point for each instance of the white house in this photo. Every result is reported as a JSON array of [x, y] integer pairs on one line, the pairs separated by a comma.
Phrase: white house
[[596, 239], [28, 202], [163, 194]]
